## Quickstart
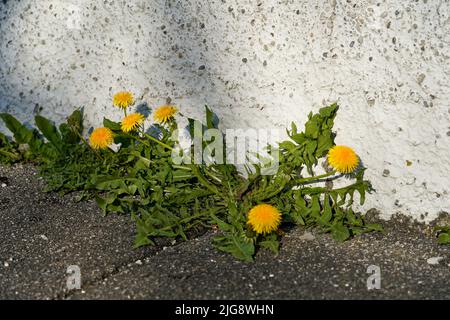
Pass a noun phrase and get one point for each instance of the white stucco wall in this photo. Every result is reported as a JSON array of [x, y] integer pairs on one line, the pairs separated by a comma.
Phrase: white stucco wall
[[257, 63]]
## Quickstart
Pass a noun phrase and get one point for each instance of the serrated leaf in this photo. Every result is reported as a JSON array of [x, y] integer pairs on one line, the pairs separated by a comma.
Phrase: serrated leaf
[[236, 245], [222, 224], [271, 242], [329, 111], [353, 219], [340, 232], [293, 129], [142, 240]]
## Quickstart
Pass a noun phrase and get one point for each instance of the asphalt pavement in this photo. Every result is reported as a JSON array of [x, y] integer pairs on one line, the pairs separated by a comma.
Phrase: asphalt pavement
[[44, 234]]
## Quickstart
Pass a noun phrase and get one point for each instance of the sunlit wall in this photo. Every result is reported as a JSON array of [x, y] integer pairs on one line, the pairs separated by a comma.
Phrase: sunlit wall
[[257, 64]]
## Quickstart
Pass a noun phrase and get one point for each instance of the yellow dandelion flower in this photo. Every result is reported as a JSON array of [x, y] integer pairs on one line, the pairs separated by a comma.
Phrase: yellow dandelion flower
[[132, 121], [101, 138], [123, 99], [264, 218], [165, 113], [343, 159]]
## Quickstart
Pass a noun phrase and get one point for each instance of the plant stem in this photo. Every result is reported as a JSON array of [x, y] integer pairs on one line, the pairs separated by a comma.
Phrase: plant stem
[[182, 167], [145, 142], [308, 179], [350, 185], [157, 141], [138, 139], [203, 180], [324, 190], [212, 175]]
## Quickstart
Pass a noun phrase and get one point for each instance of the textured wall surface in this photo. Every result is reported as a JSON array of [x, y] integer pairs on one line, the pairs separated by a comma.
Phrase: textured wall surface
[[257, 63]]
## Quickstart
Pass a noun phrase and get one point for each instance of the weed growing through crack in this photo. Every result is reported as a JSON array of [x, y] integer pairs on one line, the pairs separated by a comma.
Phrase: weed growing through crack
[[166, 198]]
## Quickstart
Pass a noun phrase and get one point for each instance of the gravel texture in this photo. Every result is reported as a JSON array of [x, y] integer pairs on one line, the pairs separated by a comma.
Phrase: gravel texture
[[44, 233]]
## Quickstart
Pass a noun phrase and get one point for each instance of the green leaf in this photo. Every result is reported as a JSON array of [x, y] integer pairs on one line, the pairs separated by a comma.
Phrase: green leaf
[[9, 152], [315, 206], [75, 120], [142, 229], [222, 224], [142, 240], [340, 232], [362, 192], [67, 135], [49, 131], [106, 203], [444, 238], [324, 143], [239, 247], [71, 131], [329, 111], [195, 125], [212, 121], [353, 219], [115, 126], [22, 134], [101, 203], [374, 227], [271, 242], [293, 129], [442, 228], [327, 212], [288, 145], [132, 189], [312, 129], [299, 138], [296, 217], [122, 139], [311, 147]]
